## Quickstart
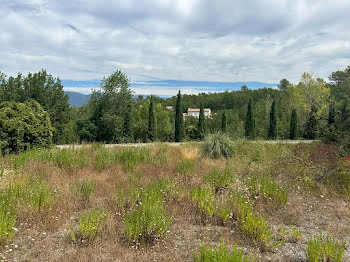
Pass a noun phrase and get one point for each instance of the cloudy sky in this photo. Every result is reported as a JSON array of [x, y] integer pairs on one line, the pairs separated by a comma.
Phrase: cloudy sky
[[153, 41]]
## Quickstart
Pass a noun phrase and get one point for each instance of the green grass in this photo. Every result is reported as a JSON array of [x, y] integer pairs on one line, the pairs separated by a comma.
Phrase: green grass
[[84, 189], [147, 216], [8, 215], [204, 198], [324, 249], [38, 194], [220, 179], [91, 224], [102, 158], [263, 185], [131, 157], [221, 254], [185, 166]]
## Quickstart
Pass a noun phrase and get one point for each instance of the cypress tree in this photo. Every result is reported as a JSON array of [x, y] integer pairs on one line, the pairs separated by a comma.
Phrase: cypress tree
[[293, 125], [311, 125], [201, 127], [127, 133], [223, 122], [179, 119], [331, 114], [151, 122], [273, 122], [250, 122]]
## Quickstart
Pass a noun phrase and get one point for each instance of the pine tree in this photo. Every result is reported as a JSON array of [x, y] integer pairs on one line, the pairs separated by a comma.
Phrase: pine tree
[[201, 127], [311, 125], [223, 122], [151, 122], [293, 125], [179, 120], [250, 122], [127, 132], [273, 122]]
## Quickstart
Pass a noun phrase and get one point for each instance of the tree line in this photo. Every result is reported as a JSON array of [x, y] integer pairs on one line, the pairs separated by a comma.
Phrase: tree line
[[311, 109]]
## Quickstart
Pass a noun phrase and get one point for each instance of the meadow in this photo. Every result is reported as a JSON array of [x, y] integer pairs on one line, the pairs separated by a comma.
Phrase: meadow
[[159, 202]]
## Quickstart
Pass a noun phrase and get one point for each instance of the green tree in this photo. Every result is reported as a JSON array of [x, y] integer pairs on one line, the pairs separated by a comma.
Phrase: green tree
[[151, 122], [24, 126], [283, 85], [250, 122], [127, 132], [331, 114], [273, 122], [311, 125], [223, 122], [179, 120], [293, 125], [201, 124]]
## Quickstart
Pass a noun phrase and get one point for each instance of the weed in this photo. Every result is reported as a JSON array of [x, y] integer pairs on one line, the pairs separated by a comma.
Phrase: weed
[[91, 224], [8, 217], [38, 194], [84, 189], [263, 186], [222, 254], [185, 166], [217, 145], [131, 157], [204, 197], [220, 179], [324, 249], [102, 159]]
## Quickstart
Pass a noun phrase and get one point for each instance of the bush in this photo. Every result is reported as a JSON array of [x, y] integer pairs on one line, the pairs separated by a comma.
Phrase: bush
[[91, 224], [221, 254], [218, 145], [324, 249], [24, 126]]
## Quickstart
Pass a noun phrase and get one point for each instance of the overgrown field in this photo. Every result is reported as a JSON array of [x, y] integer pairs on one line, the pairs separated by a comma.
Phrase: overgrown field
[[265, 202]]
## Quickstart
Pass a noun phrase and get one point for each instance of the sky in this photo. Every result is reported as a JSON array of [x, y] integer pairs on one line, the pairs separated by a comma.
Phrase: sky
[[166, 45]]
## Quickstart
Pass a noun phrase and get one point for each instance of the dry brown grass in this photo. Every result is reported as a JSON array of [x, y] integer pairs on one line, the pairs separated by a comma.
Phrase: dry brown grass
[[44, 235]]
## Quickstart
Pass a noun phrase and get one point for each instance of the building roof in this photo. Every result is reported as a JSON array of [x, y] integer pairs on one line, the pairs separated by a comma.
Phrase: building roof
[[197, 109]]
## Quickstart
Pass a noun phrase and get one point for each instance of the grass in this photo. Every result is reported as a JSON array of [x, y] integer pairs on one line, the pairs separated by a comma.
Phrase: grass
[[84, 189], [220, 179], [324, 249], [185, 166], [91, 224], [8, 216], [221, 254], [263, 185], [204, 198], [147, 218]]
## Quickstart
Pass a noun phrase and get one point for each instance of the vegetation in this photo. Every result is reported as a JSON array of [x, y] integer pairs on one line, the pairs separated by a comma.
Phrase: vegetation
[[201, 125], [179, 125], [322, 248], [217, 145]]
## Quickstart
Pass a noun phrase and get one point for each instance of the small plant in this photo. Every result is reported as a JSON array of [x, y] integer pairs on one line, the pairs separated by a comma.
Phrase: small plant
[[221, 254], [220, 179], [325, 249], [204, 197], [147, 217], [295, 234], [263, 186], [217, 145], [102, 159], [38, 194], [84, 189], [91, 224], [185, 166], [8, 217]]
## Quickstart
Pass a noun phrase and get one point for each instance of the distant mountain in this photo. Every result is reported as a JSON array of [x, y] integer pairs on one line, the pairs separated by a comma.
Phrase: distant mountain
[[76, 98]]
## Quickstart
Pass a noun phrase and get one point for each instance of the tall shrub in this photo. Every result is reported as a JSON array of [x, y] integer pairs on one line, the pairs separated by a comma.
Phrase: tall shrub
[[179, 120], [201, 127]]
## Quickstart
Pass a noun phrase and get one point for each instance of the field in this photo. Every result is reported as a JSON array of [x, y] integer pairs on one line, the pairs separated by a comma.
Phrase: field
[[268, 202]]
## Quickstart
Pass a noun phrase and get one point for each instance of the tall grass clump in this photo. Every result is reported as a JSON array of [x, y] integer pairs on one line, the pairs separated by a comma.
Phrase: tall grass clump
[[84, 189], [8, 216], [91, 224], [131, 157], [145, 212], [324, 249], [263, 185], [221, 254], [38, 194], [102, 159], [220, 179], [71, 158], [218, 145], [185, 166], [204, 198]]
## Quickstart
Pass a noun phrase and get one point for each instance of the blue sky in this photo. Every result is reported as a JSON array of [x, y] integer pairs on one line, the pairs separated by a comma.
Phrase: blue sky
[[203, 45]]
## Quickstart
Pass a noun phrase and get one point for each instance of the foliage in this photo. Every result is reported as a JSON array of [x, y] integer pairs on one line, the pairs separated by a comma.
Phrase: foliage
[[131, 157], [84, 189], [221, 254], [293, 125], [91, 224], [273, 122], [324, 249], [250, 122], [23, 126], [204, 197], [151, 122], [201, 125], [185, 166], [218, 145], [220, 179], [311, 125], [179, 120], [223, 123], [8, 216], [192, 132]]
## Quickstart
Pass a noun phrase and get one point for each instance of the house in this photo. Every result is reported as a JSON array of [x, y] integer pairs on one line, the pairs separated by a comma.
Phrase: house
[[195, 112], [170, 108]]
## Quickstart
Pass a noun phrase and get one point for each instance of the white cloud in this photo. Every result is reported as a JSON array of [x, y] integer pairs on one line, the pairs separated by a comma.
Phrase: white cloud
[[203, 40]]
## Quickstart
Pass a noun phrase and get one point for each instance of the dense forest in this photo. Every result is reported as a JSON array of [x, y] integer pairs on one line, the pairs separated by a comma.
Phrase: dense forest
[[311, 109]]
